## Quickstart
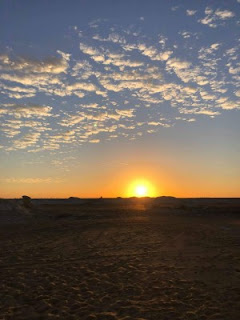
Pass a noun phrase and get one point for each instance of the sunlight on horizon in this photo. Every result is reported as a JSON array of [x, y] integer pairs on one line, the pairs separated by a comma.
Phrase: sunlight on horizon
[[141, 188], [106, 101], [141, 191]]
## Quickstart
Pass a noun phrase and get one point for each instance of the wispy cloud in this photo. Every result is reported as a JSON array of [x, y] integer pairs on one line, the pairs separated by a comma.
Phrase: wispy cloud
[[29, 180]]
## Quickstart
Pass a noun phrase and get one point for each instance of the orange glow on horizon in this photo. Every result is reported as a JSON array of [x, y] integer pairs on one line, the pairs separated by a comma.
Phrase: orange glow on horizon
[[141, 191], [141, 188]]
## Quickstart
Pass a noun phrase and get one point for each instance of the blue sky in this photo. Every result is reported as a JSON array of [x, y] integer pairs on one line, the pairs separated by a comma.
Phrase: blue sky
[[111, 86]]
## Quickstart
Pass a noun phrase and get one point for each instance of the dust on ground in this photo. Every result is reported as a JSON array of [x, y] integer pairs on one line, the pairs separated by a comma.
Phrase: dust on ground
[[120, 260]]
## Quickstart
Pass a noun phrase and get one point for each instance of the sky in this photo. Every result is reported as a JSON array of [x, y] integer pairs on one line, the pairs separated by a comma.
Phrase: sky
[[98, 97]]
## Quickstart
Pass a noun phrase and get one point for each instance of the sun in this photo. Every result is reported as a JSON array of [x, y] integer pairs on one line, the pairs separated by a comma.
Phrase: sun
[[141, 190]]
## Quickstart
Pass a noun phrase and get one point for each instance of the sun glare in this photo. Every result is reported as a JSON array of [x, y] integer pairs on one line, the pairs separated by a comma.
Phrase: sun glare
[[141, 191], [141, 188]]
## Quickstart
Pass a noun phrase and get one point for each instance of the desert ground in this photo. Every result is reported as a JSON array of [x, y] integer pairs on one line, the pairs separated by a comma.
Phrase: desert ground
[[120, 259]]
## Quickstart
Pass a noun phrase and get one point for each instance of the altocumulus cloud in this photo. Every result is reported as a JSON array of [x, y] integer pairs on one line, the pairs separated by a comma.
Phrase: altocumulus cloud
[[26, 111], [214, 18], [116, 77]]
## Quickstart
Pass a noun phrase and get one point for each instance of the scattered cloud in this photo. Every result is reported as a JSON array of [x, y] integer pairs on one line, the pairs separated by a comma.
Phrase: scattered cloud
[[178, 64], [224, 14], [237, 93], [153, 53], [118, 83], [191, 12], [53, 65], [214, 18], [26, 140], [26, 111]]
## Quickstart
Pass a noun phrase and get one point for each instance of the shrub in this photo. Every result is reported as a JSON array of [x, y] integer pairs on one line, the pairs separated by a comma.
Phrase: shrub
[[26, 201]]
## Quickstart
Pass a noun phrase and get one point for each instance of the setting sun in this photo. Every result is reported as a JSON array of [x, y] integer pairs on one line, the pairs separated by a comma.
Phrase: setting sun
[[141, 188], [141, 191]]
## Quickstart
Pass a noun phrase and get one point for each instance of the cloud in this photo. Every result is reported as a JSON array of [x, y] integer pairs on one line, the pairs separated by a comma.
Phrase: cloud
[[42, 75], [185, 34], [53, 65], [181, 68], [26, 111], [92, 106], [196, 111], [53, 141], [107, 57], [18, 92], [237, 93], [191, 12], [118, 62], [175, 8], [206, 96], [186, 119], [82, 69], [94, 141], [16, 95], [125, 113], [28, 180], [36, 80], [88, 50], [178, 64], [155, 123], [153, 53], [80, 89], [112, 37], [72, 120], [119, 75], [9, 132], [189, 90], [233, 70], [85, 86], [27, 140], [214, 18], [224, 14], [14, 127], [19, 89], [132, 81], [230, 105]]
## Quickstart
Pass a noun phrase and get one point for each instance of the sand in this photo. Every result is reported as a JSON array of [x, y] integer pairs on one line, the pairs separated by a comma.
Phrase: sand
[[119, 261]]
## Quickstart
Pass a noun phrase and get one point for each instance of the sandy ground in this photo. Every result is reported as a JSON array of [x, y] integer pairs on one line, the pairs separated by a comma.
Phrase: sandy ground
[[122, 262]]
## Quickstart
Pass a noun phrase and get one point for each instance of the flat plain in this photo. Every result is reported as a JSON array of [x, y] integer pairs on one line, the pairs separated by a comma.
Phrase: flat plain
[[120, 259]]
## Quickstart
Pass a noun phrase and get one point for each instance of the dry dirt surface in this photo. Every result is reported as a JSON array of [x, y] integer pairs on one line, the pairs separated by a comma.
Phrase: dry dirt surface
[[120, 261]]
